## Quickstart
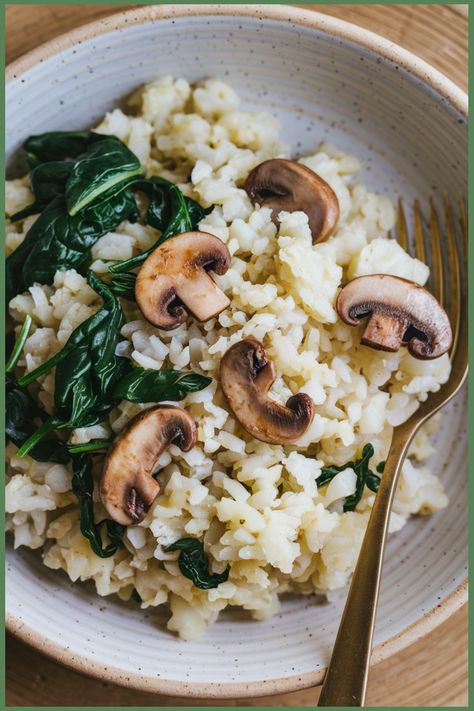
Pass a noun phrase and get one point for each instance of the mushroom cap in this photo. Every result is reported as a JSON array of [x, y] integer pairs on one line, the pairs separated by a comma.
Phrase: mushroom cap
[[246, 375], [286, 185], [401, 313], [127, 488], [175, 276]]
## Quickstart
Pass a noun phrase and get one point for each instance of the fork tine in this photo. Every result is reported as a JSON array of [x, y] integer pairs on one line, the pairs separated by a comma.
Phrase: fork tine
[[454, 308], [402, 234], [419, 238], [437, 270]]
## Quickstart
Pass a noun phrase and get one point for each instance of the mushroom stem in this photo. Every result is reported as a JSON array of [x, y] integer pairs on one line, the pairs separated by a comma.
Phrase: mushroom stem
[[201, 295], [384, 332]]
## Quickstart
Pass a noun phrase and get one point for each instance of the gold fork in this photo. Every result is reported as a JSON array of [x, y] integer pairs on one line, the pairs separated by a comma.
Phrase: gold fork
[[345, 682]]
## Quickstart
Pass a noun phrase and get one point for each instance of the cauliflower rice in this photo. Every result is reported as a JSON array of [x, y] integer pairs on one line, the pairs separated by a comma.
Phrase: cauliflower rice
[[256, 506]]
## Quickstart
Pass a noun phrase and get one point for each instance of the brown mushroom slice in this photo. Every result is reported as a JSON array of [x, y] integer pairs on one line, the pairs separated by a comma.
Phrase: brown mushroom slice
[[246, 375], [400, 312], [175, 276], [127, 488], [286, 185]]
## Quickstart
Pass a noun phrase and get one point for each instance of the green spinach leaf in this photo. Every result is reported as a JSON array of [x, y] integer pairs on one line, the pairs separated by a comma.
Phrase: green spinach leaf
[[58, 145], [98, 322], [362, 471], [136, 596], [365, 477], [194, 565], [94, 445], [19, 344], [48, 180], [58, 241], [105, 164], [86, 376], [83, 487], [196, 212], [165, 201], [87, 369], [113, 206], [124, 285], [140, 385], [373, 482], [22, 415], [328, 473]]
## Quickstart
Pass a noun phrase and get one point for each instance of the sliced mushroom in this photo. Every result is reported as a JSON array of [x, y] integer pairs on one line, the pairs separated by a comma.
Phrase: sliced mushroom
[[246, 375], [127, 488], [401, 313], [285, 185], [175, 276]]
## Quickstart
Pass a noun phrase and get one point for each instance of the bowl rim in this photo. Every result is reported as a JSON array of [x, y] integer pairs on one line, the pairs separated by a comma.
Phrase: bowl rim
[[297, 15], [454, 96], [234, 690]]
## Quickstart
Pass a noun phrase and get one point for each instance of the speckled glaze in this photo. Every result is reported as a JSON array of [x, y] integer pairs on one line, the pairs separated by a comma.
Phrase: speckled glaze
[[325, 80]]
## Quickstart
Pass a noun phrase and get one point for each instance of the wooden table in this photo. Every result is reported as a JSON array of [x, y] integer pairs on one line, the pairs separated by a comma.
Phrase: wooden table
[[433, 671]]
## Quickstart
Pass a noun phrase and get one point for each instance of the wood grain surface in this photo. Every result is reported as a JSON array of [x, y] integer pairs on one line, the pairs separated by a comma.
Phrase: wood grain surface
[[431, 672]]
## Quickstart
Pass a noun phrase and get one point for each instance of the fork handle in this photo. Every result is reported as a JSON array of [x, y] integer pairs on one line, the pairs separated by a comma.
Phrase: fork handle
[[345, 682]]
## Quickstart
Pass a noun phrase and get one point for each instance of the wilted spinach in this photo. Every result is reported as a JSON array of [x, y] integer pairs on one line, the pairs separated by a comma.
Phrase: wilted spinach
[[47, 180], [168, 211], [85, 379], [140, 385], [365, 477], [372, 481], [113, 206], [124, 285], [83, 487], [105, 164], [22, 418], [58, 145], [19, 344], [194, 565], [84, 186], [87, 368], [94, 445], [22, 415], [167, 204], [58, 241], [90, 379], [109, 313], [136, 596]]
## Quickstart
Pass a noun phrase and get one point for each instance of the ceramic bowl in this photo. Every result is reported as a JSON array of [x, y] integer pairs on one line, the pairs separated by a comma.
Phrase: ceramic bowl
[[326, 80]]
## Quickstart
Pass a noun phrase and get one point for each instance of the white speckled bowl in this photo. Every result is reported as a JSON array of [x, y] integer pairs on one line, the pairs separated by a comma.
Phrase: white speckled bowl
[[325, 79]]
